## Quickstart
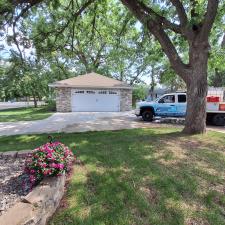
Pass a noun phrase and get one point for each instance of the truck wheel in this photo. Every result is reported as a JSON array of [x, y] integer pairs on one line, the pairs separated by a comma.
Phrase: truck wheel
[[147, 116], [209, 119], [219, 119]]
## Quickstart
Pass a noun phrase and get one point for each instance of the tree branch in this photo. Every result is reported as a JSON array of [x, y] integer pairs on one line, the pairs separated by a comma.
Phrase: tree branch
[[73, 29], [194, 13], [93, 22], [209, 18], [166, 24], [180, 11], [150, 19], [81, 55], [75, 15], [145, 13], [138, 73], [96, 61], [17, 44], [171, 52], [23, 11], [123, 29], [223, 42]]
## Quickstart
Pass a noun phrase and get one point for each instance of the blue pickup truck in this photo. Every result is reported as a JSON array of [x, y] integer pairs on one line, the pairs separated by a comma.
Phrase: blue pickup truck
[[174, 105]]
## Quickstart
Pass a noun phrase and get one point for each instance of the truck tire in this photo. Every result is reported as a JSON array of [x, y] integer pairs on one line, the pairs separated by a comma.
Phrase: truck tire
[[219, 119], [209, 118], [147, 116]]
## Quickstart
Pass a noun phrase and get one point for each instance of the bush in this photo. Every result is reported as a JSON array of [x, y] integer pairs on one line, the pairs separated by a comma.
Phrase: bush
[[51, 103], [50, 159], [140, 92]]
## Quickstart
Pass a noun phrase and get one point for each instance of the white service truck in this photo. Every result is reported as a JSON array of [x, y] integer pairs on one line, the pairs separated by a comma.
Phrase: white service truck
[[174, 105]]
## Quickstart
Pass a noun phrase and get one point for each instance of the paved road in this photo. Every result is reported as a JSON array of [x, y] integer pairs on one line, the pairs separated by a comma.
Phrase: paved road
[[11, 105], [81, 122]]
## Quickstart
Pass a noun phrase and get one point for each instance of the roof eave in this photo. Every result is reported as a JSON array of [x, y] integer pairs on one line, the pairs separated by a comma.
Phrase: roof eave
[[90, 87]]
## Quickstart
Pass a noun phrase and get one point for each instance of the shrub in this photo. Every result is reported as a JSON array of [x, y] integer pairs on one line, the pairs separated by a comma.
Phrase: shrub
[[50, 159], [51, 103], [140, 92]]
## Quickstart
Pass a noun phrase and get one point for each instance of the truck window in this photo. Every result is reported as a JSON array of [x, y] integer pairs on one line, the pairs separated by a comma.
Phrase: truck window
[[181, 98], [167, 99]]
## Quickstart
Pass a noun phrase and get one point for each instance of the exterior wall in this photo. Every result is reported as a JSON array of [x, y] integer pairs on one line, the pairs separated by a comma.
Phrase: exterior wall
[[63, 99], [125, 100]]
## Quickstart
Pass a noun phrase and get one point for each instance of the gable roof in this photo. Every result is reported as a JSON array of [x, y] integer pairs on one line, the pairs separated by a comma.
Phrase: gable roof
[[91, 80]]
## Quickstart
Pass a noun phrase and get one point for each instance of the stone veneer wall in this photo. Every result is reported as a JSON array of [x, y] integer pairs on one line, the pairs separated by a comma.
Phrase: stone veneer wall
[[63, 99], [125, 100]]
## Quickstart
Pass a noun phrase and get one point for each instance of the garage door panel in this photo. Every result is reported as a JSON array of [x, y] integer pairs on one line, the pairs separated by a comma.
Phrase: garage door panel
[[78, 102], [95, 101]]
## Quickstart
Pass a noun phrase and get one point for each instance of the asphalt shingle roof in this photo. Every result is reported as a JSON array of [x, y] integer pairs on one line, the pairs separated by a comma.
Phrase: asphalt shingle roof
[[91, 80]]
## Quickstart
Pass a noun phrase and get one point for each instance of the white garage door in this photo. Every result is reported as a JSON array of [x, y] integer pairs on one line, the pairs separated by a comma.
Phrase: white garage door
[[95, 101]]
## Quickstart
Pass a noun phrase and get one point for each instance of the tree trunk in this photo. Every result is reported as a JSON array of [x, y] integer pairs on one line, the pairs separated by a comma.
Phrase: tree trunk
[[152, 83], [35, 101], [197, 88], [195, 121]]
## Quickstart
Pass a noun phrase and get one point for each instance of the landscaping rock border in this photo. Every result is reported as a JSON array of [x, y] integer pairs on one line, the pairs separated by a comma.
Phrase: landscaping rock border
[[15, 154], [38, 206]]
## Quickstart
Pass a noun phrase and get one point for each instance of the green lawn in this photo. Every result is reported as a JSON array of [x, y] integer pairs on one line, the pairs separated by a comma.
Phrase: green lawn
[[24, 114], [141, 176]]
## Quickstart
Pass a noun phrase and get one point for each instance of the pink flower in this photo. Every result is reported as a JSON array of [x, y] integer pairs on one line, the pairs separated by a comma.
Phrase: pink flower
[[32, 179], [60, 166], [51, 158], [32, 171], [49, 155], [45, 172], [53, 165]]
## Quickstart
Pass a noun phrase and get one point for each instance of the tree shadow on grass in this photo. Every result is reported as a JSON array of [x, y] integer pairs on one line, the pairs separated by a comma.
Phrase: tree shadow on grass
[[138, 178]]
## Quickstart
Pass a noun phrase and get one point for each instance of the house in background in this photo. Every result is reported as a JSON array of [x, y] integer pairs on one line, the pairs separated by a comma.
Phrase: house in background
[[92, 93], [157, 92]]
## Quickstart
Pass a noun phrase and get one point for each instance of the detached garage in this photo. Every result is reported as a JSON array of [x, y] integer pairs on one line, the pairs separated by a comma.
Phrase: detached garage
[[92, 93]]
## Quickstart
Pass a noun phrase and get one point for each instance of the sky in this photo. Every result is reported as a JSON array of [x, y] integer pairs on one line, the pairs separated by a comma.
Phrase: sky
[[4, 47]]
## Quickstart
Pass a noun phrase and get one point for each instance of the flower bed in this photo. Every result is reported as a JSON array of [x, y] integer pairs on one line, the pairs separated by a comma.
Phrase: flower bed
[[28, 204], [50, 159]]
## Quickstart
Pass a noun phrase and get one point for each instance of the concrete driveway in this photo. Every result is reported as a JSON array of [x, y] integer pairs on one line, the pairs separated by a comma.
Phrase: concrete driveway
[[81, 122], [58, 122]]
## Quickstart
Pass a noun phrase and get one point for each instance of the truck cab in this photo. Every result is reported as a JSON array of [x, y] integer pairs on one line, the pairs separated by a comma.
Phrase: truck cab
[[175, 105]]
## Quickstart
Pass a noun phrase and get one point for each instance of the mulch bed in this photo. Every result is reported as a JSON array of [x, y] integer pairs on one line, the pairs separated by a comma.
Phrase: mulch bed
[[14, 184]]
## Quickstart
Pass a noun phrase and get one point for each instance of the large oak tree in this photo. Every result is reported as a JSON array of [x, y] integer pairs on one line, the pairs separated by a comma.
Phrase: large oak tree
[[189, 20], [195, 29]]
